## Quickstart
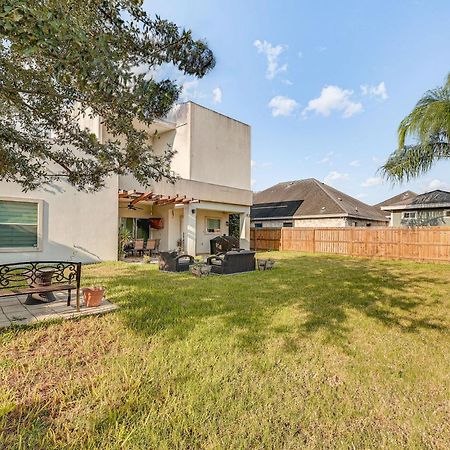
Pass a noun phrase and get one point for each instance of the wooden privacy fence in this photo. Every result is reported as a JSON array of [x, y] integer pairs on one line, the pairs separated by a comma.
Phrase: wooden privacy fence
[[265, 238], [417, 244]]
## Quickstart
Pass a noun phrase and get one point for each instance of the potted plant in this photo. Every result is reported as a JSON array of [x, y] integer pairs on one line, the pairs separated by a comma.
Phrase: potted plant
[[93, 296]]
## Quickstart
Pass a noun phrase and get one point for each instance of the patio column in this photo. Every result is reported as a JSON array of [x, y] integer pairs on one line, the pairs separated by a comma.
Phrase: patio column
[[244, 230], [189, 229]]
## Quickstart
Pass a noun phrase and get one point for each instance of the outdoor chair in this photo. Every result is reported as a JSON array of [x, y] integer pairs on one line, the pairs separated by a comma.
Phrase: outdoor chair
[[173, 262], [138, 247], [232, 262], [150, 247]]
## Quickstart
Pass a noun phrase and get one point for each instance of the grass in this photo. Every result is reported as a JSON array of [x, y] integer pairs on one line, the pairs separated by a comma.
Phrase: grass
[[321, 352]]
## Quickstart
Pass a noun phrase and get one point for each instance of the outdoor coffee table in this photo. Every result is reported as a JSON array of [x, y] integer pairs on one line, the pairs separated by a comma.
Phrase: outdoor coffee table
[[43, 279]]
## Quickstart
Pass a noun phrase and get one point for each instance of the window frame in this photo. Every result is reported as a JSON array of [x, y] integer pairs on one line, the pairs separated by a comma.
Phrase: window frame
[[447, 213], [39, 225], [218, 229], [409, 212]]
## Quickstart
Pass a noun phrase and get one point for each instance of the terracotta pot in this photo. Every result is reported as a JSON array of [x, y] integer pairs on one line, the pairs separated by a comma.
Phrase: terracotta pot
[[93, 296]]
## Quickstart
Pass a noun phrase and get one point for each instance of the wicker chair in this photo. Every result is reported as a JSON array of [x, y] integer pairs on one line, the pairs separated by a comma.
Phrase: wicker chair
[[173, 262]]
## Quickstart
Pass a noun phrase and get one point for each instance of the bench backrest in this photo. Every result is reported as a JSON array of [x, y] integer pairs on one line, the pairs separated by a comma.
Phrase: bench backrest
[[25, 274]]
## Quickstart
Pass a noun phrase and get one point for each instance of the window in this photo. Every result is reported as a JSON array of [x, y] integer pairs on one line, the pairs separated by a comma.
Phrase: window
[[287, 224], [138, 228], [212, 225], [258, 225], [19, 224], [447, 213], [409, 215]]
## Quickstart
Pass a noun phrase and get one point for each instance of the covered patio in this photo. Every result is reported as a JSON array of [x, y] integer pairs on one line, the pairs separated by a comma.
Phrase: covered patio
[[179, 222]]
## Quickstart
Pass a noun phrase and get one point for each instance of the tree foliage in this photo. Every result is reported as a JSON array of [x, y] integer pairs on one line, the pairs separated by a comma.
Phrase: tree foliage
[[64, 59], [429, 125]]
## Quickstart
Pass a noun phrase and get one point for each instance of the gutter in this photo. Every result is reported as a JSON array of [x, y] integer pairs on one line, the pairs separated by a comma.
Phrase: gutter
[[418, 206]]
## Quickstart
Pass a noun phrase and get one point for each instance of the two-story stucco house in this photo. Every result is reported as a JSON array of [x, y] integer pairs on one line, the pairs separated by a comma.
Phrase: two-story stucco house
[[428, 209], [213, 165]]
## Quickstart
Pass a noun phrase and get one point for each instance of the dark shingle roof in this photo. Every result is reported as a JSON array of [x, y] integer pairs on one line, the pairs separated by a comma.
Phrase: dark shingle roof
[[317, 199], [428, 198]]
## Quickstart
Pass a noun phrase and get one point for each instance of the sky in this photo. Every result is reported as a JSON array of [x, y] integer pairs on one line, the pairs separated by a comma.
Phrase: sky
[[323, 84]]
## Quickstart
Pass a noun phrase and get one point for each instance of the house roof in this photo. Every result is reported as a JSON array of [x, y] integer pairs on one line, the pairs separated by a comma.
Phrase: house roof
[[397, 198], [433, 199], [317, 199], [275, 209]]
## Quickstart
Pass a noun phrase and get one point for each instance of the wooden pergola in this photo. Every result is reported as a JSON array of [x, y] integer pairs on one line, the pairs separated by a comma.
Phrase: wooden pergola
[[155, 199]]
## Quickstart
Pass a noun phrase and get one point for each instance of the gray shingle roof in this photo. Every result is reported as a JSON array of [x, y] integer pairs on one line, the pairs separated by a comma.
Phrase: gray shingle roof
[[318, 199], [397, 198]]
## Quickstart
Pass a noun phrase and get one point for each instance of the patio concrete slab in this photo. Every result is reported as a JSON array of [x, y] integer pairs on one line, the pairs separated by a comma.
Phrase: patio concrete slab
[[14, 311]]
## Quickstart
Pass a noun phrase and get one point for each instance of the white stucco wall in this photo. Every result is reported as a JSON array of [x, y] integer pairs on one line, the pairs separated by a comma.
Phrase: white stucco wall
[[220, 149], [76, 226], [203, 238]]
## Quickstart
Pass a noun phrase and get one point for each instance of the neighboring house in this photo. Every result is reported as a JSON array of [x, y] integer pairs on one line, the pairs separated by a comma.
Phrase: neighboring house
[[404, 196], [212, 161], [429, 209], [310, 203]]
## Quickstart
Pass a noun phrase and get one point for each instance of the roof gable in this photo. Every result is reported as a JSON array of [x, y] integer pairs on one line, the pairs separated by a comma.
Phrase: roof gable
[[317, 199]]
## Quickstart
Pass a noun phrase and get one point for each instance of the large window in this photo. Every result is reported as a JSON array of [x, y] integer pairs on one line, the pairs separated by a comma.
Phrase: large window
[[138, 228], [212, 225], [19, 224], [409, 215]]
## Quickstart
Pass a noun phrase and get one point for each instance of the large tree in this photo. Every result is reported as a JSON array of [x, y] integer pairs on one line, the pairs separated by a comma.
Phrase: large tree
[[62, 59], [428, 125]]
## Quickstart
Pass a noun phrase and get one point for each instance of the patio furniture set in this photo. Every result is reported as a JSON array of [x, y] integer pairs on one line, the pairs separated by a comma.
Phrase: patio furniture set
[[141, 247]]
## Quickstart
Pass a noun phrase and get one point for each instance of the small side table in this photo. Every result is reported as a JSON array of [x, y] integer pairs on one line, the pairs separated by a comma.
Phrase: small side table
[[43, 279]]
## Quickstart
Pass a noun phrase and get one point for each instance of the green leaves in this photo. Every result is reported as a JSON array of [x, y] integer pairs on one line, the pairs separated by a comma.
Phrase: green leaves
[[429, 125], [63, 59]]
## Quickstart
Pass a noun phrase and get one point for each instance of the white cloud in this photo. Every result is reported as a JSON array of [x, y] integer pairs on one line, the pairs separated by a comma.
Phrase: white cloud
[[190, 91], [326, 159], [272, 54], [378, 91], [300, 54], [437, 184], [361, 195], [217, 95], [287, 82], [375, 159], [282, 106], [375, 181], [355, 163], [335, 176], [333, 98]]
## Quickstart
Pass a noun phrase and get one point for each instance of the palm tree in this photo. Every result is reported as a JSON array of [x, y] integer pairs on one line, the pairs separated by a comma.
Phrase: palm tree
[[429, 125]]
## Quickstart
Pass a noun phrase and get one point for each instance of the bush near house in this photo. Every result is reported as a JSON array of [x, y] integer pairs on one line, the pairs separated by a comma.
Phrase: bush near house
[[322, 351]]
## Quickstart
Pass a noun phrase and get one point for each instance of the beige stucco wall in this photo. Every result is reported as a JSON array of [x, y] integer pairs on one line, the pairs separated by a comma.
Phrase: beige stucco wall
[[76, 226]]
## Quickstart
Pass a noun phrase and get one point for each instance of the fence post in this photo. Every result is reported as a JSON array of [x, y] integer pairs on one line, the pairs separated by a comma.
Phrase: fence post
[[281, 239], [314, 240]]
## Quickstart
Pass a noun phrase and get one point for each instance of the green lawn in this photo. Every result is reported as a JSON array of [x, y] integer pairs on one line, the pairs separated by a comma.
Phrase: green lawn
[[321, 352]]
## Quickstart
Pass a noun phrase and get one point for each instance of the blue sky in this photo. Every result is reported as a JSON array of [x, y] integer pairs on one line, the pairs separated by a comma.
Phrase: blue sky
[[324, 84]]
